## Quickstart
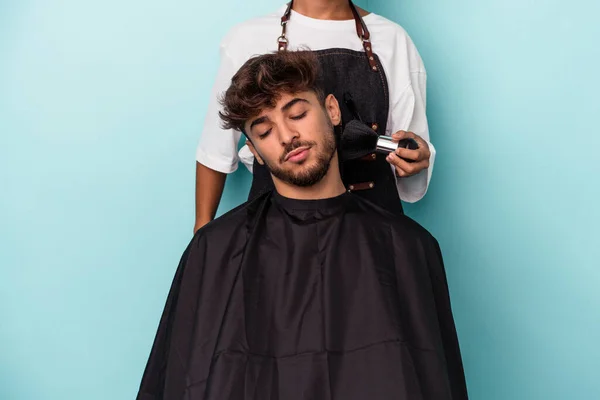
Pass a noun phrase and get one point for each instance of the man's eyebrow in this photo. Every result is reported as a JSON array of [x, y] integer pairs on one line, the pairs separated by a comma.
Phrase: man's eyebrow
[[258, 120], [290, 103], [285, 107]]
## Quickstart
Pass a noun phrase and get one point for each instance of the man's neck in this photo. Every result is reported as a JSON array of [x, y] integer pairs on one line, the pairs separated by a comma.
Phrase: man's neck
[[330, 186], [324, 9]]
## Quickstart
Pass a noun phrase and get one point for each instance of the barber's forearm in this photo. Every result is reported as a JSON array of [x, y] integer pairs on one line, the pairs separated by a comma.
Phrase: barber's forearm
[[413, 188], [209, 189]]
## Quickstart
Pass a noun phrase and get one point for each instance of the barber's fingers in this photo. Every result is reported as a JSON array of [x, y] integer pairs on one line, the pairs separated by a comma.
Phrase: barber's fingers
[[405, 168], [396, 137], [408, 154]]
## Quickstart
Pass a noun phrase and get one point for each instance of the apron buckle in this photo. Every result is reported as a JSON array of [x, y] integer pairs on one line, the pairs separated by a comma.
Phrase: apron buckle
[[369, 157], [282, 42], [361, 186]]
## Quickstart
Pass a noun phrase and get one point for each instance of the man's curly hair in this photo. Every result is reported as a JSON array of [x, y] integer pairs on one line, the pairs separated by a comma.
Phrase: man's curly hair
[[262, 80]]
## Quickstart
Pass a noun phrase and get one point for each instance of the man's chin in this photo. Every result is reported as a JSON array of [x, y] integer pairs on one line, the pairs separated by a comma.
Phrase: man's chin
[[302, 178]]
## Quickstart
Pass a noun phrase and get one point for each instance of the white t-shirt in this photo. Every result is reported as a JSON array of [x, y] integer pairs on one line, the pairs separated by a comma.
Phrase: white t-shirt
[[401, 62]]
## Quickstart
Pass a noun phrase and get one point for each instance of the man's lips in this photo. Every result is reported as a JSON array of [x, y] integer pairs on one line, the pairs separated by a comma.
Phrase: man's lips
[[296, 152]]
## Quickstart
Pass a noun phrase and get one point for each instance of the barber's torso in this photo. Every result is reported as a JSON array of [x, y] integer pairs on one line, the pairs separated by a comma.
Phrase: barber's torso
[[384, 98]]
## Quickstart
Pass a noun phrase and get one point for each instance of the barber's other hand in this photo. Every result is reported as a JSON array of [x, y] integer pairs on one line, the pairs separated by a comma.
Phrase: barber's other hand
[[419, 157]]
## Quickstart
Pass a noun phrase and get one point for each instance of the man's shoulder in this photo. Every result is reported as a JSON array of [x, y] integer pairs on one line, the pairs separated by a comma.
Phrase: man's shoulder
[[399, 224], [232, 222]]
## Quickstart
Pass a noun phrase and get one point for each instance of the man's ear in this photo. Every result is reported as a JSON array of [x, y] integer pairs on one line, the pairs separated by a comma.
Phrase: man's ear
[[253, 150], [333, 109]]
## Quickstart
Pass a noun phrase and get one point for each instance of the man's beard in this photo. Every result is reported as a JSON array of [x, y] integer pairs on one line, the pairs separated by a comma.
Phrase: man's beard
[[315, 173]]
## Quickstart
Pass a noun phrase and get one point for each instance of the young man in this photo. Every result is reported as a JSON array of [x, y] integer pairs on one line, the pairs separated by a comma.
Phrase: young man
[[308, 291], [371, 66]]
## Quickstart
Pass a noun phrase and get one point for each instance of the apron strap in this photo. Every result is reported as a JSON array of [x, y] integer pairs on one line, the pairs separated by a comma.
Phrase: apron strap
[[363, 33], [361, 30], [282, 40]]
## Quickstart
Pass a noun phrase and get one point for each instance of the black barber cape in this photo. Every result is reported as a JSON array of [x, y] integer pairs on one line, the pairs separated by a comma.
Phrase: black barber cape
[[284, 299]]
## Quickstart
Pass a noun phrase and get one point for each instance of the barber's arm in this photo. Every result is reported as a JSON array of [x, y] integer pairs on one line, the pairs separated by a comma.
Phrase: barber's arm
[[216, 154], [209, 189], [413, 168]]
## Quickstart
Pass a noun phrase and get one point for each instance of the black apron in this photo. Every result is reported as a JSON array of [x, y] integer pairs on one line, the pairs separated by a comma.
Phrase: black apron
[[358, 81]]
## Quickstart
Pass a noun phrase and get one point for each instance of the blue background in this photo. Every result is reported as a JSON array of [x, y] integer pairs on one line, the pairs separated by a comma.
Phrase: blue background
[[101, 106]]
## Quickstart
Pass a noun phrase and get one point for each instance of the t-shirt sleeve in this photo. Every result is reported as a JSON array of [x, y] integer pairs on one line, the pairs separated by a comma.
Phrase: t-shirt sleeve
[[407, 113], [217, 148]]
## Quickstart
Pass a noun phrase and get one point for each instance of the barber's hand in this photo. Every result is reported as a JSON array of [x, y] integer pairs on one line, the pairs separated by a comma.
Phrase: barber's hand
[[419, 157]]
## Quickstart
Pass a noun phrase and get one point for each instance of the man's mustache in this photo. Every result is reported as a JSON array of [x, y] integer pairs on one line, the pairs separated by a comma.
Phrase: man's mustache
[[293, 146]]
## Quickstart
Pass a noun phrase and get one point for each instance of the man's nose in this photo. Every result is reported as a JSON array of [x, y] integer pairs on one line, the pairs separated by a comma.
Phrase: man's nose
[[288, 133]]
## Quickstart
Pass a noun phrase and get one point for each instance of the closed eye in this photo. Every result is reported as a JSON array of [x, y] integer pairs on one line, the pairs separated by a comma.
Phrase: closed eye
[[297, 117], [264, 135]]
